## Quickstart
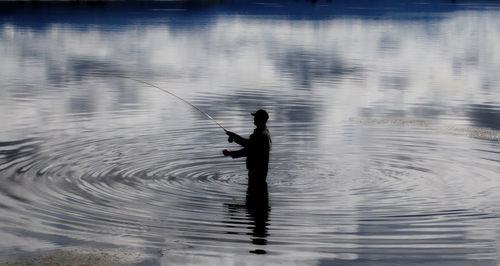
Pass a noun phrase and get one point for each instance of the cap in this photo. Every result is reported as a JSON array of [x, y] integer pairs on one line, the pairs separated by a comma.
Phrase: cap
[[261, 113]]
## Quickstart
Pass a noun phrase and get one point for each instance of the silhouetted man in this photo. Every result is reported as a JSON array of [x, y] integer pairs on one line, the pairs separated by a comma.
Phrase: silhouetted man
[[256, 149]]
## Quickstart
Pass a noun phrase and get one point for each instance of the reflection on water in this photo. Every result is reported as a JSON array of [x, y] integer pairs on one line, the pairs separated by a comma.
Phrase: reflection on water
[[256, 210], [385, 121]]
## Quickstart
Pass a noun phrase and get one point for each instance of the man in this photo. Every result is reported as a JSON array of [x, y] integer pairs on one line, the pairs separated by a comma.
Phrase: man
[[256, 149]]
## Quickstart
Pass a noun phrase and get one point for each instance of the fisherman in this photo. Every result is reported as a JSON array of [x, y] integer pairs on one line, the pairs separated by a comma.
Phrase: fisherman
[[256, 149]]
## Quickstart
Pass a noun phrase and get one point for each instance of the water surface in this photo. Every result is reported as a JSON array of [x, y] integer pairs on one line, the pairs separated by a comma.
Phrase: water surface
[[385, 119]]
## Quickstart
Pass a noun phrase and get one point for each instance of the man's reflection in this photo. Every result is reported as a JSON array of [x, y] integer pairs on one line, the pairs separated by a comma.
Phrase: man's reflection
[[256, 211], [257, 205]]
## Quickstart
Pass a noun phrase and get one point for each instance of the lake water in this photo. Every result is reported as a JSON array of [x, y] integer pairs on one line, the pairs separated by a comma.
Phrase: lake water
[[384, 115]]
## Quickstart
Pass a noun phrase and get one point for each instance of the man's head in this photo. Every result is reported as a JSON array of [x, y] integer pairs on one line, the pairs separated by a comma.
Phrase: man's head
[[260, 117]]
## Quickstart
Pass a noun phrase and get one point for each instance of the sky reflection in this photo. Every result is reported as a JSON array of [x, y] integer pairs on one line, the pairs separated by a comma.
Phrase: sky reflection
[[439, 68]]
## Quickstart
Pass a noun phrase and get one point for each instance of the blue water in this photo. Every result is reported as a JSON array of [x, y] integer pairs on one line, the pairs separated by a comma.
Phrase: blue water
[[384, 115]]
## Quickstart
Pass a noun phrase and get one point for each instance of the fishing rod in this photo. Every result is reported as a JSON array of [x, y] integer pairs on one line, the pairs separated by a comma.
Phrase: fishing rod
[[176, 96]]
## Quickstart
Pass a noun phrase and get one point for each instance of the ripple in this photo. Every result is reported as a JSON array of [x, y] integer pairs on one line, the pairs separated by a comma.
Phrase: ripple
[[91, 160], [391, 195]]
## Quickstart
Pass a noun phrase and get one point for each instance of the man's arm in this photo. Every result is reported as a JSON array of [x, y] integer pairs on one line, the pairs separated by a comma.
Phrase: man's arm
[[237, 138], [235, 154], [240, 153]]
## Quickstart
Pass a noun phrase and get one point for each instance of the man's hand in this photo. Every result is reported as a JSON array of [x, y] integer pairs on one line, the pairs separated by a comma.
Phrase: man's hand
[[226, 152], [231, 136]]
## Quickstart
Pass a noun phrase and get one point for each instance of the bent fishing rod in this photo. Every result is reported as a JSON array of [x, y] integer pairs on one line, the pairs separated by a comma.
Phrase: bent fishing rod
[[176, 96]]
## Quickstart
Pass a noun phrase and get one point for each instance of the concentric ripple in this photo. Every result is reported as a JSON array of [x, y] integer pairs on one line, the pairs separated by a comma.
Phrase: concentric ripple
[[399, 190], [113, 191]]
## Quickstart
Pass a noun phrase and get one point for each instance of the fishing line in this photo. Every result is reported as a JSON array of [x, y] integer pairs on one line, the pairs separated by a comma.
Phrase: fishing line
[[176, 96]]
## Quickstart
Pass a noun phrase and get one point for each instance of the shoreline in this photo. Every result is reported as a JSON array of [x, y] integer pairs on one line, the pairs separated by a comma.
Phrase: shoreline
[[81, 256]]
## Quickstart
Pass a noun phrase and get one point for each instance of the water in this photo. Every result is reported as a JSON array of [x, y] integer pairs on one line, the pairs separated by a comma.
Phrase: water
[[385, 119]]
